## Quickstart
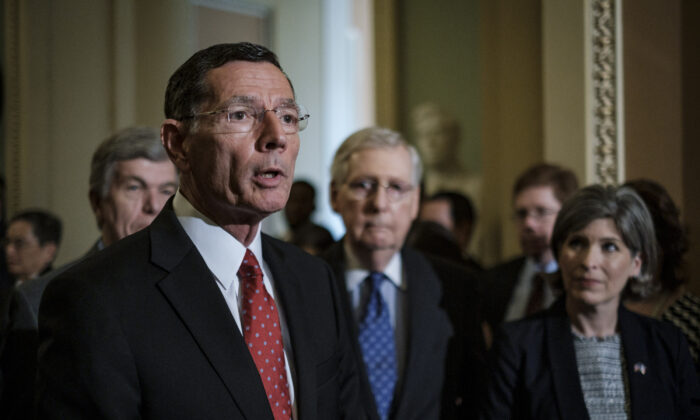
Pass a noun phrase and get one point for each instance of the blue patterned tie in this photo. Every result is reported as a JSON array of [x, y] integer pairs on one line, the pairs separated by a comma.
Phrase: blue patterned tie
[[376, 338]]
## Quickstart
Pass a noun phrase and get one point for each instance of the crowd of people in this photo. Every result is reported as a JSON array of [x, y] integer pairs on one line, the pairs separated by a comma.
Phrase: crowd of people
[[183, 308]]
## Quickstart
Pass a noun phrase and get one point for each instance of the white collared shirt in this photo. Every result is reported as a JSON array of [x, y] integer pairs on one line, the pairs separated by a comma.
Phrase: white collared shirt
[[393, 293], [223, 254]]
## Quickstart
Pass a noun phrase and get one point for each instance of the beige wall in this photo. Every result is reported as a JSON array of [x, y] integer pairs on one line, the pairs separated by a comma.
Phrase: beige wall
[[662, 105], [652, 83], [439, 62], [564, 86], [64, 96], [481, 61], [511, 101]]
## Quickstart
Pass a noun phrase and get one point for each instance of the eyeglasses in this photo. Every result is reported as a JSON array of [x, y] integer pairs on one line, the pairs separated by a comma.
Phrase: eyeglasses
[[245, 118], [537, 213], [18, 244], [365, 188]]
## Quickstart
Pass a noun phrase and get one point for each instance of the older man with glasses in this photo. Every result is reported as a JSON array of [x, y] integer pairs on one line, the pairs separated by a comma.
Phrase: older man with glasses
[[414, 321], [200, 315]]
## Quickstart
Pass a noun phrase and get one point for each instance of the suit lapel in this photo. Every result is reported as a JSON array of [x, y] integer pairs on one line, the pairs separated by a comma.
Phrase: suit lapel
[[642, 380], [192, 291], [290, 294], [423, 288], [562, 364], [336, 259]]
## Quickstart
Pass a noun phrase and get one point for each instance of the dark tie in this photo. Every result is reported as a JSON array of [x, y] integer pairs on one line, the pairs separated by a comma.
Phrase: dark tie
[[376, 337], [535, 302], [263, 335]]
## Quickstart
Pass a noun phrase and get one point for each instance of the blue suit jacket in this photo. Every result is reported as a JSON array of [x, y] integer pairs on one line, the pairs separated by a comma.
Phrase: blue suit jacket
[[534, 373]]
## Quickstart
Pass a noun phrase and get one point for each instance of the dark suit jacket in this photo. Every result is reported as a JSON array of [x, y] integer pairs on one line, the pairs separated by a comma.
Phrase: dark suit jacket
[[24, 310], [535, 374], [18, 344], [445, 371], [141, 330], [499, 283]]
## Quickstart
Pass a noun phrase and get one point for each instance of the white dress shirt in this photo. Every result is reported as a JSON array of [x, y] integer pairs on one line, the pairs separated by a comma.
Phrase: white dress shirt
[[223, 254]]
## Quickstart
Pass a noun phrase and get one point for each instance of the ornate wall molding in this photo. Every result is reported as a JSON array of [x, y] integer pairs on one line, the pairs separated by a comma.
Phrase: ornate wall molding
[[607, 148]]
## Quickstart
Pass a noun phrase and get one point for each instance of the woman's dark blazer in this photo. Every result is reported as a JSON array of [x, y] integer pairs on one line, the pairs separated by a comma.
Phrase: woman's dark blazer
[[534, 373]]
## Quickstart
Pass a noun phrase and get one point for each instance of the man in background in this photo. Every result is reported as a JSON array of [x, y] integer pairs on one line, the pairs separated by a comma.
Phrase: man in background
[[415, 323], [31, 244], [131, 178], [303, 232], [455, 212], [513, 289]]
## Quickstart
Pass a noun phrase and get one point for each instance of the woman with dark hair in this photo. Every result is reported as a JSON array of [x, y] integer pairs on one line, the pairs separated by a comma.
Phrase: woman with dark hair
[[670, 301], [587, 356]]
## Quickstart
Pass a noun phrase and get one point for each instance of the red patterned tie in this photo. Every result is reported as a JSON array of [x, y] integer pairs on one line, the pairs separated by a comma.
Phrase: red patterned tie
[[262, 334]]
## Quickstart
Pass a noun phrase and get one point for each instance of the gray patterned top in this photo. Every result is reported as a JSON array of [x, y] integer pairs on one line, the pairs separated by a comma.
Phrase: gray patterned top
[[603, 379]]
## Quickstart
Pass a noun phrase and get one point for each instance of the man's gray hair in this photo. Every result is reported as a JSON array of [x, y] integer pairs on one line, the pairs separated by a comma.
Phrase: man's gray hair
[[631, 217], [129, 143], [372, 138]]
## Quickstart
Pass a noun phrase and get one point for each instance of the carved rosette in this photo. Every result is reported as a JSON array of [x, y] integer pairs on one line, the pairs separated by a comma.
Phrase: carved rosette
[[604, 93]]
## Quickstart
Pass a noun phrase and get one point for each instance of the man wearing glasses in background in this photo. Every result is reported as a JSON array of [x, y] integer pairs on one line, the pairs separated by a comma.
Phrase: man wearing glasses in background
[[513, 289], [200, 315], [415, 322]]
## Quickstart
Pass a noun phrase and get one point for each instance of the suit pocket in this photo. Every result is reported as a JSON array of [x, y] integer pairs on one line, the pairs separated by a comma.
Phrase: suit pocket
[[327, 370]]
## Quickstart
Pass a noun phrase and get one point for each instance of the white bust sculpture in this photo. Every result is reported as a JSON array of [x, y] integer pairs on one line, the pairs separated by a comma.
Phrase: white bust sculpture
[[437, 138]]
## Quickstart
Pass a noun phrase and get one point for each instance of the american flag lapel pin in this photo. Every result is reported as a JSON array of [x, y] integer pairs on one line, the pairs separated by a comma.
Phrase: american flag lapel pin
[[640, 367]]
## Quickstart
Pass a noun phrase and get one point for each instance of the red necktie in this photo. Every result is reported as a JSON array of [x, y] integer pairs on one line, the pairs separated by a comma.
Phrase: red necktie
[[262, 334]]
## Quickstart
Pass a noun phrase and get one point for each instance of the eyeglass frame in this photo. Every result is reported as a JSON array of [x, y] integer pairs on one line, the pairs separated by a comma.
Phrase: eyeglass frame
[[17, 244], [538, 213], [302, 119], [366, 193]]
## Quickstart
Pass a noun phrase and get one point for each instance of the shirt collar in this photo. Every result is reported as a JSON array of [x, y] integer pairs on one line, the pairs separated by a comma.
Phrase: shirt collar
[[222, 253], [549, 267], [355, 273]]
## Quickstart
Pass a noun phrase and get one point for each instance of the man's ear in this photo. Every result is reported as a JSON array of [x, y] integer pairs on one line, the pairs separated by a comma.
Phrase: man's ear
[[50, 249], [173, 138], [333, 189], [415, 207], [95, 200]]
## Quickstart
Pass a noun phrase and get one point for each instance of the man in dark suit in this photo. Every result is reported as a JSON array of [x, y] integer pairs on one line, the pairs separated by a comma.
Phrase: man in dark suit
[[415, 324], [200, 315], [513, 289], [131, 178], [456, 213]]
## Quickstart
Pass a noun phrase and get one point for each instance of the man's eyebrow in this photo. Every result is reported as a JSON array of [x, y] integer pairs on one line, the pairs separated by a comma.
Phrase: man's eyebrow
[[241, 100], [288, 102], [127, 178], [254, 100], [168, 184]]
